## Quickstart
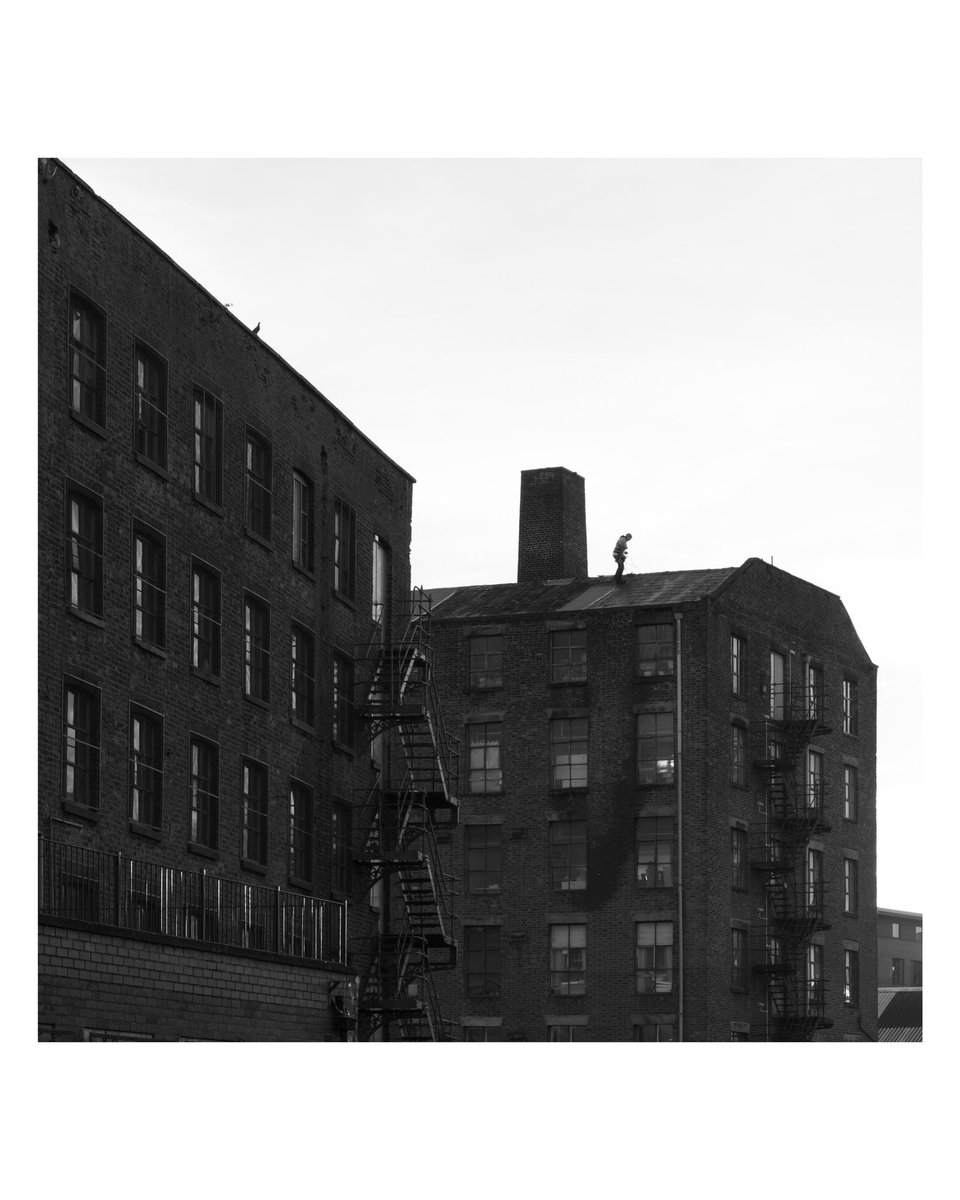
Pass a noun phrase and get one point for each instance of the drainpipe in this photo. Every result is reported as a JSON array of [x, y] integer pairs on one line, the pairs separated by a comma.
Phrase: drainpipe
[[679, 752]]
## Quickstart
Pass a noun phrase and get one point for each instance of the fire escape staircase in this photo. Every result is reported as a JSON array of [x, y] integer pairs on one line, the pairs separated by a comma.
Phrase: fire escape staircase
[[793, 909], [415, 793]]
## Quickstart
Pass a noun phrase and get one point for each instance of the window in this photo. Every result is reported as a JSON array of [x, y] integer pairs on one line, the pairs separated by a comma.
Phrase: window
[[568, 656], [814, 976], [146, 768], [482, 959], [483, 848], [343, 723], [205, 620], [253, 812], [851, 886], [88, 357], [737, 664], [380, 590], [896, 972], [851, 977], [476, 1033], [916, 973], [568, 752], [740, 1035], [654, 650], [84, 546], [484, 772], [654, 956], [258, 486], [301, 832], [150, 407], [256, 648], [851, 707], [777, 687], [738, 857], [738, 755], [814, 779], [655, 748], [895, 929], [849, 793], [486, 661], [207, 446], [302, 679], [302, 521], [341, 847], [344, 549], [568, 855], [204, 793], [815, 879], [655, 851], [568, 1033], [81, 744], [738, 959], [568, 960], [814, 692], [149, 588], [657, 1031]]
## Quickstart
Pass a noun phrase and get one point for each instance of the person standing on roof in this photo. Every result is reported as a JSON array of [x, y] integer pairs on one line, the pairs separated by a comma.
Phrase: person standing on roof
[[620, 554]]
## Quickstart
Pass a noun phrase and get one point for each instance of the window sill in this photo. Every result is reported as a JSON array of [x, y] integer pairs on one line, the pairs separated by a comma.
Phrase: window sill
[[302, 570], [344, 748], [303, 884], [256, 701], [567, 683], [655, 678], [206, 676], [150, 648], [567, 791], [88, 422], [203, 851], [249, 865], [147, 831], [150, 465], [81, 810], [210, 505], [345, 600], [82, 615], [266, 543], [303, 726]]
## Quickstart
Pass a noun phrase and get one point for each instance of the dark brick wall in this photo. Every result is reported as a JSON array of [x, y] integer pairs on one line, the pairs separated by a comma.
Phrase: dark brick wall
[[91, 980], [553, 525], [764, 606], [85, 245]]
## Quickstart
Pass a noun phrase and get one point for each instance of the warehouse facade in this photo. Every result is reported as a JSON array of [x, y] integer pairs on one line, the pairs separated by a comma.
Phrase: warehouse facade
[[668, 823]]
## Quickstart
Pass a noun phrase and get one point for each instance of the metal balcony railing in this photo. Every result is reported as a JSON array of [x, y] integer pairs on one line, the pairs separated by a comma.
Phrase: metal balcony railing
[[144, 897]]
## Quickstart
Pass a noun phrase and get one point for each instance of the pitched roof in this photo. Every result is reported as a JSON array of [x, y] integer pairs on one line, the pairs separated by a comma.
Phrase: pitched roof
[[900, 1014], [574, 595]]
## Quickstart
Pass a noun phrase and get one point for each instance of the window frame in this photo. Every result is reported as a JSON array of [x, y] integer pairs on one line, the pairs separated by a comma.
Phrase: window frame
[[204, 825], [568, 972], [80, 756], [814, 689], [486, 676], [851, 977], [659, 969], [738, 858], [487, 778], [567, 856], [343, 716], [663, 665], [482, 961], [341, 847], [207, 448], [738, 959], [739, 755], [851, 886], [302, 833], [93, 413], [257, 483], [152, 427], [663, 836], [851, 786], [83, 587], [567, 774], [738, 646], [256, 656], [303, 522], [568, 656], [344, 550], [201, 616], [483, 858], [145, 802], [254, 812], [303, 676], [668, 777], [149, 627], [851, 706]]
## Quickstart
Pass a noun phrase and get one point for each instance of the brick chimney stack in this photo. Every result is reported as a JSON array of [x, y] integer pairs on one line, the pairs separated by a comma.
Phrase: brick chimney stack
[[553, 526]]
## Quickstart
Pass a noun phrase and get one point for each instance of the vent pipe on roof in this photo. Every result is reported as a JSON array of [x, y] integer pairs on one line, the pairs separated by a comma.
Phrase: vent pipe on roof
[[553, 526]]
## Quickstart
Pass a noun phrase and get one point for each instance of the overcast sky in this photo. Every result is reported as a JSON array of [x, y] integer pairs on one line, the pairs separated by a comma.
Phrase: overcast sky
[[729, 352]]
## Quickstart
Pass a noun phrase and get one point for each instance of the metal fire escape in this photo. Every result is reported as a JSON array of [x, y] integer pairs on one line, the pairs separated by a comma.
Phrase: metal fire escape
[[792, 811], [416, 791]]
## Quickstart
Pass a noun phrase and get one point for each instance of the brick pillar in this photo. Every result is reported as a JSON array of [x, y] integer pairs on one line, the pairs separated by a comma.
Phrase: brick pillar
[[553, 526]]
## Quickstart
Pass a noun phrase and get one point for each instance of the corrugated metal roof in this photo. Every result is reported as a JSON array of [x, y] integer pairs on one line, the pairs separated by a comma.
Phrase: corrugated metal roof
[[900, 1035], [900, 1008]]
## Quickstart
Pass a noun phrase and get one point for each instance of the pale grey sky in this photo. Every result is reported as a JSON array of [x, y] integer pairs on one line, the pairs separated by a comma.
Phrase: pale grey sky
[[729, 351]]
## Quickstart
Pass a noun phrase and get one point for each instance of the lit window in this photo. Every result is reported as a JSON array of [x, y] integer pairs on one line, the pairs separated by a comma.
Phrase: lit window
[[484, 772], [150, 407], [655, 851], [483, 848], [256, 648], [568, 960], [849, 793], [84, 552], [149, 588], [207, 446], [205, 620], [380, 589], [301, 832], [738, 755], [738, 856], [482, 960], [851, 887], [204, 793], [851, 706], [654, 956], [146, 768], [568, 855], [568, 655], [302, 521], [301, 675], [344, 549], [343, 718], [87, 356], [258, 486], [655, 650], [486, 661], [253, 812], [655, 748], [568, 752], [737, 663], [851, 977], [81, 744]]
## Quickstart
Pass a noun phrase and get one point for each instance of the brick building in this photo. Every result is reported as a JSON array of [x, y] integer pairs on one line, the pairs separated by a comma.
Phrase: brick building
[[900, 975], [667, 827], [216, 540]]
